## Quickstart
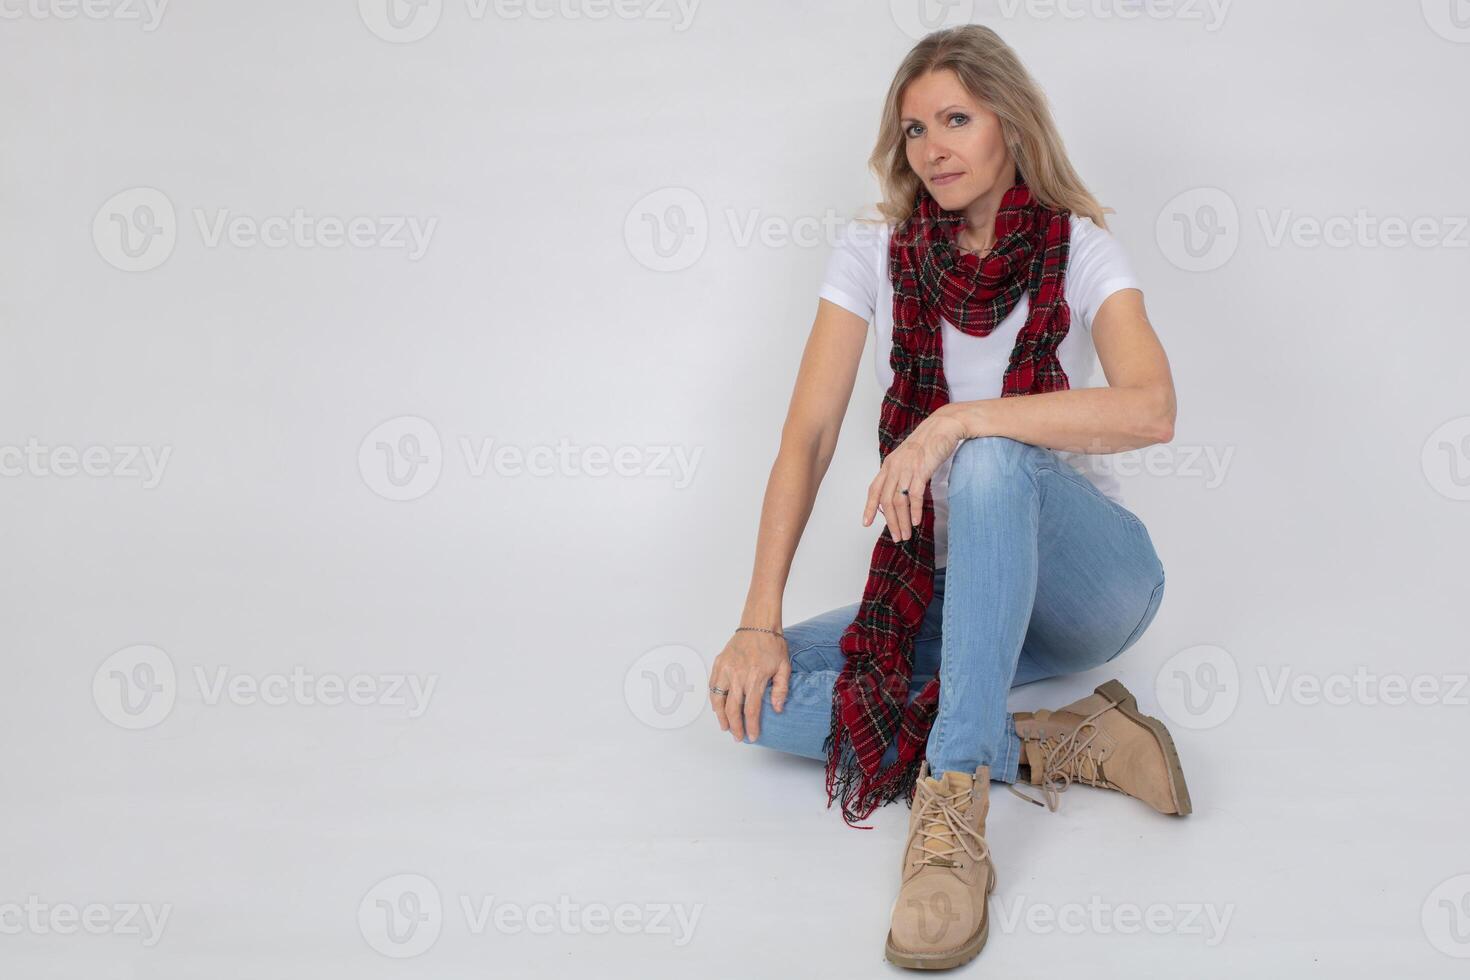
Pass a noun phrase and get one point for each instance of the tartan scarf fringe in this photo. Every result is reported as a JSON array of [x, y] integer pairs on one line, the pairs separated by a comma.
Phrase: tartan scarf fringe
[[862, 796]]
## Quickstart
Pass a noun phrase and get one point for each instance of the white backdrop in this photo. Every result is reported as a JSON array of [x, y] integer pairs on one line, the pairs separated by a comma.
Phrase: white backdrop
[[386, 401]]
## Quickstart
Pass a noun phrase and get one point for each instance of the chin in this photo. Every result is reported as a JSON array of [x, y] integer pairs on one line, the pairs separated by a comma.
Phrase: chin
[[952, 197]]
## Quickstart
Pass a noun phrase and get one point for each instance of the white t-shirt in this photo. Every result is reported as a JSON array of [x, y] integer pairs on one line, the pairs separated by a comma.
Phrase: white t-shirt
[[857, 279]]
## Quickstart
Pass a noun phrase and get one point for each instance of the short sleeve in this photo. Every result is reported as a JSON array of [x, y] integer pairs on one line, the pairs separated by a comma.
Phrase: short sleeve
[[1097, 267], [853, 267]]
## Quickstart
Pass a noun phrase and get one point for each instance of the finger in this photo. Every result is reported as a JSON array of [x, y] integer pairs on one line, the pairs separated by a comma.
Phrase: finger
[[754, 698], [890, 510], [916, 501], [717, 701], [780, 684], [734, 704], [871, 507], [901, 507]]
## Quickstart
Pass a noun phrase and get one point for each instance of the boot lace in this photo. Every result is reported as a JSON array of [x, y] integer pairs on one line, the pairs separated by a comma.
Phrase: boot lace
[[943, 830], [1066, 759]]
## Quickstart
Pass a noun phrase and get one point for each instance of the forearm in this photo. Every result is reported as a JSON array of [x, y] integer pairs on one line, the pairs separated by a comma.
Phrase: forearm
[[791, 492], [1080, 420]]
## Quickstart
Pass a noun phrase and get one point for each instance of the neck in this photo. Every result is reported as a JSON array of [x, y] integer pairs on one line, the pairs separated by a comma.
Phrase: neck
[[979, 231]]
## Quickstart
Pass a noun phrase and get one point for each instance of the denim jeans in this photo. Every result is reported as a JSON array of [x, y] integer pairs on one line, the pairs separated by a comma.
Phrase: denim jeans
[[1046, 576]]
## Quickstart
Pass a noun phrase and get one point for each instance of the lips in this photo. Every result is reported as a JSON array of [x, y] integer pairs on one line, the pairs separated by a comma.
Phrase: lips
[[944, 178]]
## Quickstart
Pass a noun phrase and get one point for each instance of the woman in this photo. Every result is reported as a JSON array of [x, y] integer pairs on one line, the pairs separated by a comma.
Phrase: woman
[[995, 290]]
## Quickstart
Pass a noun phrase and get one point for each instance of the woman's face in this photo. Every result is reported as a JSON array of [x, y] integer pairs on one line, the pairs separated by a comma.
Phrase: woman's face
[[946, 132]]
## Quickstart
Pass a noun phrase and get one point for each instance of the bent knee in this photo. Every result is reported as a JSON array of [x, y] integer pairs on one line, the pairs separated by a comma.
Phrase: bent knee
[[995, 464]]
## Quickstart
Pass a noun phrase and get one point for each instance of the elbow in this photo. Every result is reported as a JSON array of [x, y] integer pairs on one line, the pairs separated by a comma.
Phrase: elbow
[[1159, 427]]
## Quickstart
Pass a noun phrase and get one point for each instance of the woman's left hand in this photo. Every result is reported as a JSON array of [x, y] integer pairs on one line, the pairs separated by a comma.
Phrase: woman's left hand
[[909, 467]]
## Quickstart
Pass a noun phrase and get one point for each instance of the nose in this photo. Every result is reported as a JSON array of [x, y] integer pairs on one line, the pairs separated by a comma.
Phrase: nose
[[936, 153]]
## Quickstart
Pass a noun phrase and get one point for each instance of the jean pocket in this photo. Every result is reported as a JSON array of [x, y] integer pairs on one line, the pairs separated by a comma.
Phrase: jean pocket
[[1149, 613]]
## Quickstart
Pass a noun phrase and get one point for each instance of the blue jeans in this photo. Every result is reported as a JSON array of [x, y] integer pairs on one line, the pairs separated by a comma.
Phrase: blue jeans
[[1048, 577]]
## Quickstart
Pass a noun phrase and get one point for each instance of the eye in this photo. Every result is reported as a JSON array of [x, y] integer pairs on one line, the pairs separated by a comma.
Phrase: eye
[[909, 132]]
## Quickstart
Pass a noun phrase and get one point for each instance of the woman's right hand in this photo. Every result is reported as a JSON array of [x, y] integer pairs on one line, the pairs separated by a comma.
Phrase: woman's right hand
[[748, 662]]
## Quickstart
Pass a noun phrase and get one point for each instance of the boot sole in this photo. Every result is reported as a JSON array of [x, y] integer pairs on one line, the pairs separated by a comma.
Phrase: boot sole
[[1115, 691], [948, 958]]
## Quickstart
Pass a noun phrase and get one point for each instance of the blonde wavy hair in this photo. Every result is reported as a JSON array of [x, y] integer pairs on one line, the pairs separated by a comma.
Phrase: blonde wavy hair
[[993, 75]]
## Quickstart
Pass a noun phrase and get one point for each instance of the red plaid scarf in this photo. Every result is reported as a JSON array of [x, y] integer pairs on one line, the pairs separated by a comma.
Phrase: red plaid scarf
[[932, 278]]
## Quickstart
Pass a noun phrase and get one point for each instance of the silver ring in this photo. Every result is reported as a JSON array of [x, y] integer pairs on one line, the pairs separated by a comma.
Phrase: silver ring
[[716, 690], [904, 492]]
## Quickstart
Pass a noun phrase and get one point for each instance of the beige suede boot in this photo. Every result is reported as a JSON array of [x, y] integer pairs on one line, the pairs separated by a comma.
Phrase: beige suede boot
[[940, 918], [1103, 740]]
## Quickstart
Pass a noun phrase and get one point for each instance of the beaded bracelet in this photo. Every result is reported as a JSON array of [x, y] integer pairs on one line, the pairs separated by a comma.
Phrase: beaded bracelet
[[760, 629]]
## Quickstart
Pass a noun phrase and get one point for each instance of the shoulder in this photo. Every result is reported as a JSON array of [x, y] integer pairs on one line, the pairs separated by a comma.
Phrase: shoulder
[[1088, 237], [855, 265], [1097, 266], [864, 235]]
